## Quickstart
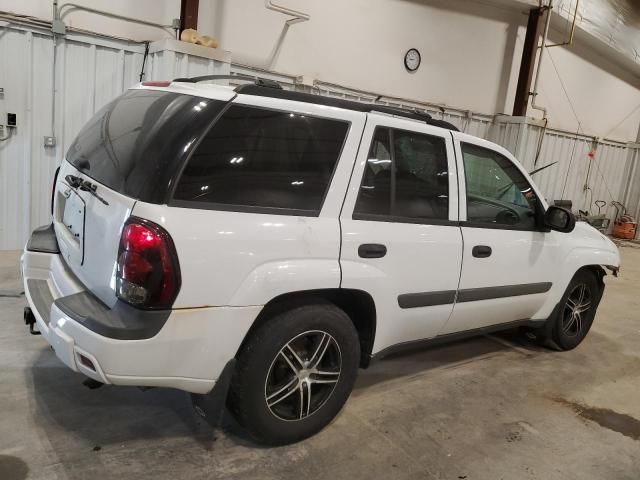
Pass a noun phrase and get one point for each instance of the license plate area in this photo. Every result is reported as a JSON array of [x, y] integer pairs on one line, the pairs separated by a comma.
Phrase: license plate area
[[73, 210]]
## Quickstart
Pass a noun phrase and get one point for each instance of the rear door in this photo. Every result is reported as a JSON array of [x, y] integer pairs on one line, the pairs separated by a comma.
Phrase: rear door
[[400, 238], [509, 259]]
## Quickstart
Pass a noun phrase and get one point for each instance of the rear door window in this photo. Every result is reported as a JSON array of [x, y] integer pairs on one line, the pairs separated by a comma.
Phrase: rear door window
[[263, 161], [406, 178]]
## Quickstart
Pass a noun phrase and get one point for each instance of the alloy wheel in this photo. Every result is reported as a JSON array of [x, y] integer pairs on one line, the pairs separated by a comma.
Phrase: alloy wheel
[[303, 375], [576, 309]]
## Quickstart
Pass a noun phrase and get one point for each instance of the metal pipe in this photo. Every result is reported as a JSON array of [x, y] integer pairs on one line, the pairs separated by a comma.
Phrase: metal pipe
[[74, 6], [53, 86], [297, 16], [273, 56], [573, 29], [54, 38], [534, 93]]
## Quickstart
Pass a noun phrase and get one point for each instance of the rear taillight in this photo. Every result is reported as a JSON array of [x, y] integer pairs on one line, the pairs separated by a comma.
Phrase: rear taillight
[[148, 274]]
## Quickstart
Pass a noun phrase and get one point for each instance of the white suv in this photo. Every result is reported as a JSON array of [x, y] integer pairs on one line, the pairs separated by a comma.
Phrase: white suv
[[275, 241]]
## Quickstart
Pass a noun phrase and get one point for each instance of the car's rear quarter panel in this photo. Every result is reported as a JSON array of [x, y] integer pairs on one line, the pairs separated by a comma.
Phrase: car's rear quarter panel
[[231, 258]]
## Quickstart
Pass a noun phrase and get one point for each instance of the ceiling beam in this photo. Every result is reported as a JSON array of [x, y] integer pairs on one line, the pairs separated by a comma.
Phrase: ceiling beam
[[189, 14], [529, 51]]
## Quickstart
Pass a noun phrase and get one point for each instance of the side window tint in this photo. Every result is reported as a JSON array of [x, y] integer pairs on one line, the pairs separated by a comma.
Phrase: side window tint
[[406, 177], [375, 190], [422, 181], [497, 192], [259, 158]]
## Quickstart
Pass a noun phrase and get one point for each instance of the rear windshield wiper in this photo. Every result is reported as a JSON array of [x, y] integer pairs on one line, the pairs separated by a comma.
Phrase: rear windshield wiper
[[85, 186]]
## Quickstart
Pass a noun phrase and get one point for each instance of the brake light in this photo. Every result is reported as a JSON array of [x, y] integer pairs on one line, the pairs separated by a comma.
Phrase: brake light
[[148, 273], [156, 83]]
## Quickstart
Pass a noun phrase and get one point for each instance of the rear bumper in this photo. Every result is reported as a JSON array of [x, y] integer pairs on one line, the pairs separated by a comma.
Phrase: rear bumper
[[188, 350]]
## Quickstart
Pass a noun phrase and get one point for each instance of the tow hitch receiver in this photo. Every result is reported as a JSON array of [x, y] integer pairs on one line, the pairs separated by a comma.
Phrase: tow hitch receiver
[[30, 319]]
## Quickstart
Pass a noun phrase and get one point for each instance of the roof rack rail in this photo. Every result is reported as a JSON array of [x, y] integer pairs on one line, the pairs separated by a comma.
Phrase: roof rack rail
[[413, 114], [259, 81], [269, 88]]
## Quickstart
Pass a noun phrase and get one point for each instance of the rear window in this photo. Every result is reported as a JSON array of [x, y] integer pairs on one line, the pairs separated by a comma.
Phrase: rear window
[[135, 144], [263, 161]]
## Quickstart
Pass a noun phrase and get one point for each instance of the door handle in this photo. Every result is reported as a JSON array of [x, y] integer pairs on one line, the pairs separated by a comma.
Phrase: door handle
[[372, 250], [481, 251]]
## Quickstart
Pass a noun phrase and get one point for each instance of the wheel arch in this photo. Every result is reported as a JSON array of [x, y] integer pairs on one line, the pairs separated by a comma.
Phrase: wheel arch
[[598, 271], [357, 304]]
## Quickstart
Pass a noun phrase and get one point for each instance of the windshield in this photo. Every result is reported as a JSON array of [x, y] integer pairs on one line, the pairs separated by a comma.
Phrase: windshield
[[136, 143]]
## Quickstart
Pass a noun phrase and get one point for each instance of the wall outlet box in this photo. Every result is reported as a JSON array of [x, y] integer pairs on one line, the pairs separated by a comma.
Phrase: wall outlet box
[[12, 120], [58, 27], [49, 141]]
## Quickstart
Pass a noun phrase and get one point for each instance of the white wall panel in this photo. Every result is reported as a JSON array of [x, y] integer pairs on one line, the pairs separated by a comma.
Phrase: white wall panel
[[576, 176], [157, 11], [632, 174], [471, 52], [90, 72]]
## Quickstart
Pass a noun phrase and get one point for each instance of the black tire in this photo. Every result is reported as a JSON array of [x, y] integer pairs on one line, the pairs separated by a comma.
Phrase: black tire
[[567, 329], [265, 365]]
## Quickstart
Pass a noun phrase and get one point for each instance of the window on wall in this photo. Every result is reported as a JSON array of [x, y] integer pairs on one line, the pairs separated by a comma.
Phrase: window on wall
[[264, 160], [498, 194], [405, 179]]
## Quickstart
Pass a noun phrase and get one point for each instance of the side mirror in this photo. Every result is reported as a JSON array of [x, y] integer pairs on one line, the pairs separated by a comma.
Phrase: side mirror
[[559, 219]]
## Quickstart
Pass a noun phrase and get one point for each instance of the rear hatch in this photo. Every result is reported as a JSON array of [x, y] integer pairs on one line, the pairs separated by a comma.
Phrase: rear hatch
[[130, 151]]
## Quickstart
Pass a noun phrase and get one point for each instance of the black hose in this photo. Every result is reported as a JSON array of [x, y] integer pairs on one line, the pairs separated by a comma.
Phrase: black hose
[[144, 59]]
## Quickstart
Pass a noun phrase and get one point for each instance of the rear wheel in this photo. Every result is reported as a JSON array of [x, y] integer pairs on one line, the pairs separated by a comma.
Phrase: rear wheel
[[295, 373], [577, 309]]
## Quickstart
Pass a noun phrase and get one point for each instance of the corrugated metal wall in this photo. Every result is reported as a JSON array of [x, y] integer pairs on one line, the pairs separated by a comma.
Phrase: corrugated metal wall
[[632, 191], [90, 72], [585, 171]]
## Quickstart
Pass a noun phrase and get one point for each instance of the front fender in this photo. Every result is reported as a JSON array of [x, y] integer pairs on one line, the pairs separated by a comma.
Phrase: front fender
[[273, 279], [577, 258]]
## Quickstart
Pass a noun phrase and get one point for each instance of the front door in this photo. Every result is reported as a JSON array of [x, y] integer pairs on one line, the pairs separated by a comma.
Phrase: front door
[[400, 236], [508, 259]]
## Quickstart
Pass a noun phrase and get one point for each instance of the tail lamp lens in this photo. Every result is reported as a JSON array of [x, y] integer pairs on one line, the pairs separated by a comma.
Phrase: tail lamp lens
[[148, 274]]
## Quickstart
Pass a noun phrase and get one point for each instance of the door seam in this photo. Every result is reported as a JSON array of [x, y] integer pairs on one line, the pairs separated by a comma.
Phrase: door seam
[[344, 198]]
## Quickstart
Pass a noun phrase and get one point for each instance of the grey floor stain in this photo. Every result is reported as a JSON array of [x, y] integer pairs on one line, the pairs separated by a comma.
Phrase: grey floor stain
[[5, 294], [618, 422], [12, 468]]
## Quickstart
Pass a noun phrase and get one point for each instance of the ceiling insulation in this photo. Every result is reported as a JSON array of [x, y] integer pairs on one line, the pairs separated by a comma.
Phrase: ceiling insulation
[[614, 22]]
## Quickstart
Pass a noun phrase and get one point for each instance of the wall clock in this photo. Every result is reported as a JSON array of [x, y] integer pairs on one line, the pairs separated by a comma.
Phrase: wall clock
[[412, 59]]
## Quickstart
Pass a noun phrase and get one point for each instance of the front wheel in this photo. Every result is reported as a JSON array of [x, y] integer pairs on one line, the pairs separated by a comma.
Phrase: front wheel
[[295, 373], [576, 311]]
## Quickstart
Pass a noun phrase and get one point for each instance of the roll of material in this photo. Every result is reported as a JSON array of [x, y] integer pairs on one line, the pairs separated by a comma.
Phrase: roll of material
[[191, 36]]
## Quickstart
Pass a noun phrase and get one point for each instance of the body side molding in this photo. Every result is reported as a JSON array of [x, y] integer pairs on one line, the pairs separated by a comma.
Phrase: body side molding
[[430, 299]]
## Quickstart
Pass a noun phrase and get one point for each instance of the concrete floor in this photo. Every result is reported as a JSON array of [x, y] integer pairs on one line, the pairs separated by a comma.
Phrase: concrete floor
[[486, 408]]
